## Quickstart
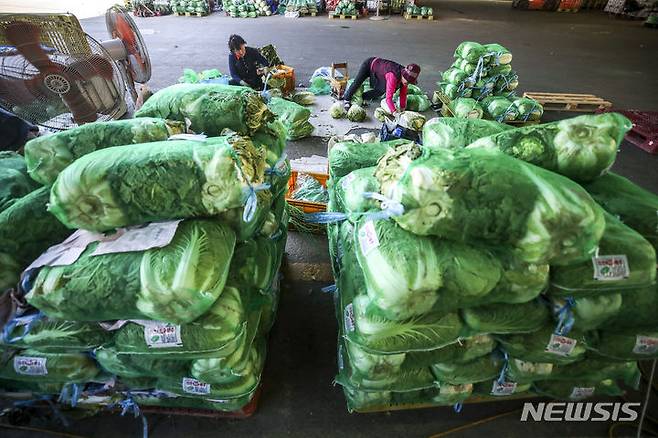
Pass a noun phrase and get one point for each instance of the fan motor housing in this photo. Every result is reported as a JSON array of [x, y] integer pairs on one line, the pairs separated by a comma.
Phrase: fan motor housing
[[57, 83]]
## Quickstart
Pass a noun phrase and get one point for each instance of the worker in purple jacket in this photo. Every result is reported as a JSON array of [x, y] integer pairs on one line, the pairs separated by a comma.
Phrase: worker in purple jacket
[[246, 65], [386, 77]]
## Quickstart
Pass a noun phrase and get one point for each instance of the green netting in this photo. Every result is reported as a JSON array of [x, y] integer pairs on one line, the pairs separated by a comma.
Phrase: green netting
[[456, 133], [139, 366], [499, 108], [589, 312], [14, 180], [497, 54], [523, 372], [478, 370], [349, 192], [35, 387], [26, 231], [466, 108], [186, 386], [528, 109], [320, 86], [470, 51], [294, 117], [48, 155], [639, 308], [54, 336], [575, 390], [217, 333], [456, 76], [481, 195], [506, 318], [406, 274], [209, 108], [628, 344], [636, 207], [623, 260], [176, 283], [582, 148], [230, 405], [520, 282], [346, 157], [132, 185], [256, 262], [532, 347], [39, 367]]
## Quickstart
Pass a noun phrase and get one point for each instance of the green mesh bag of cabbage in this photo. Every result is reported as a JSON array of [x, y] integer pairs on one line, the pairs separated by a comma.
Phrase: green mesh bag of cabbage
[[590, 368], [628, 344], [634, 206], [132, 185], [176, 283], [576, 390], [623, 260], [484, 196], [638, 309], [48, 155], [344, 157], [293, 116], [209, 108], [544, 346], [581, 148], [14, 179], [35, 331], [457, 133], [27, 229], [37, 366]]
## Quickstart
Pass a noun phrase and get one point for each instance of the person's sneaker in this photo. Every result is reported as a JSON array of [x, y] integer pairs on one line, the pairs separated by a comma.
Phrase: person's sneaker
[[364, 104]]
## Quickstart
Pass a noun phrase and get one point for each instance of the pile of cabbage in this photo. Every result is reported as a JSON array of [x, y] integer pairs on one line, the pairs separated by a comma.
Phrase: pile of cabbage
[[481, 83], [189, 6], [491, 262], [146, 258]]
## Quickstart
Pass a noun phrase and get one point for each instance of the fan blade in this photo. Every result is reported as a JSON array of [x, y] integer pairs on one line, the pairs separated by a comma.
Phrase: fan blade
[[25, 37]]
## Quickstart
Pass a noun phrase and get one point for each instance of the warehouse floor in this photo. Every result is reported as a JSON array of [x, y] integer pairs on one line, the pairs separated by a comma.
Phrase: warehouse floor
[[587, 52]]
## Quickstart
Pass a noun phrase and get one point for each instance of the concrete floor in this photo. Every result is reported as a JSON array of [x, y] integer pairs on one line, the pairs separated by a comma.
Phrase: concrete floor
[[586, 52]]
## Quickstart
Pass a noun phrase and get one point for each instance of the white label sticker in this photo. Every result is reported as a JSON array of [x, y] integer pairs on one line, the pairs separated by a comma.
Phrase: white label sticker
[[579, 393], [645, 345], [154, 235], [30, 366], [610, 267], [561, 345], [67, 252], [347, 179], [349, 317], [368, 237], [162, 335], [504, 388], [194, 386]]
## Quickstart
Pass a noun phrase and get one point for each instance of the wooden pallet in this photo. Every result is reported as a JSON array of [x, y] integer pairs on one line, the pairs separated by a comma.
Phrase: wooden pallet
[[470, 400], [569, 10], [418, 17], [582, 103], [343, 17]]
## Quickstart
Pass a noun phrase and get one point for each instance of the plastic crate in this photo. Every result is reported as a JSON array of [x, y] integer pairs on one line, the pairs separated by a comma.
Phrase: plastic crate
[[306, 206], [287, 73]]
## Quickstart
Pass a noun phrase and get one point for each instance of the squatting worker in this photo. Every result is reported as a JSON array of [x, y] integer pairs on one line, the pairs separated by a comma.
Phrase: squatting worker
[[385, 78], [245, 64]]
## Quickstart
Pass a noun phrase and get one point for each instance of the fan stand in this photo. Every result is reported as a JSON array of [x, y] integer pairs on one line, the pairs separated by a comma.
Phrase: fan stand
[[379, 17]]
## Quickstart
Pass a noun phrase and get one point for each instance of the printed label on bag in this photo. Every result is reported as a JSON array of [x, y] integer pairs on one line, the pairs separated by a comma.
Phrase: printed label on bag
[[347, 179], [349, 317], [578, 393], [504, 388], [154, 235], [194, 386], [368, 237], [30, 366], [561, 345], [341, 363], [611, 267], [645, 345], [162, 335]]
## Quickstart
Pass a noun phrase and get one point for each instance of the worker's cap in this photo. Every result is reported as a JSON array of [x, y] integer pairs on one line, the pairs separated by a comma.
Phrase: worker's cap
[[411, 72]]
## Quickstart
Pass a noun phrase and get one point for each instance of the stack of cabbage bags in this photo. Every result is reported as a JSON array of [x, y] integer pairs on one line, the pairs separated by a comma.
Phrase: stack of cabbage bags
[[243, 9], [481, 84], [176, 310], [190, 6], [477, 264], [295, 117]]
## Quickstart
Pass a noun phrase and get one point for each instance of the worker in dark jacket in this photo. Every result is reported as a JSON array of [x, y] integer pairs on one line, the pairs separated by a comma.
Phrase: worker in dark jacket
[[386, 77], [245, 64]]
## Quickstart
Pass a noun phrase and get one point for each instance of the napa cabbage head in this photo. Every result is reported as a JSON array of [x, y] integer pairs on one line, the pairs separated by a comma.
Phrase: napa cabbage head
[[374, 366]]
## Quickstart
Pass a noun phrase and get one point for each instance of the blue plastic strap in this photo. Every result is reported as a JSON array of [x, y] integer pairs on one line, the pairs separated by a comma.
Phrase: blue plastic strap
[[389, 207], [458, 407], [325, 217], [503, 370], [27, 322], [565, 318], [70, 394], [278, 168], [329, 289], [251, 200], [128, 405]]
